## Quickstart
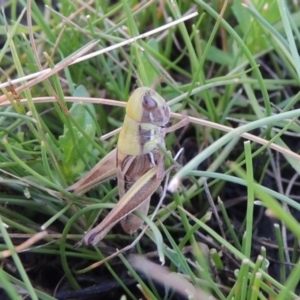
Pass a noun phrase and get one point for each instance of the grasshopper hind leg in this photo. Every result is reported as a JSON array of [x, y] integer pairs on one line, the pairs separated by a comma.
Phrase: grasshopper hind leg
[[132, 222]]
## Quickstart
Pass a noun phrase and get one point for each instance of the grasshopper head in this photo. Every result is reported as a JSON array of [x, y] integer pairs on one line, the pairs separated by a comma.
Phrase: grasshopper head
[[147, 106]]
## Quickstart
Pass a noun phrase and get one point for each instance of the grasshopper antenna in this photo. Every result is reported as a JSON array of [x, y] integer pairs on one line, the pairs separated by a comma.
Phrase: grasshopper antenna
[[158, 81]]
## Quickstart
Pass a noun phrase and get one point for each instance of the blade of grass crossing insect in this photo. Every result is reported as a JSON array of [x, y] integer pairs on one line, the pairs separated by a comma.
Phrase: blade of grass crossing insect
[[156, 236]]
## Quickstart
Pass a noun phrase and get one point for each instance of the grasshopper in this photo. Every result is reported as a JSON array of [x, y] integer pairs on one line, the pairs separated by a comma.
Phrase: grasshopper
[[137, 162]]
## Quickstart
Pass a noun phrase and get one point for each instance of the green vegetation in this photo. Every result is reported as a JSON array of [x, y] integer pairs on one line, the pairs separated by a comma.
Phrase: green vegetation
[[231, 229]]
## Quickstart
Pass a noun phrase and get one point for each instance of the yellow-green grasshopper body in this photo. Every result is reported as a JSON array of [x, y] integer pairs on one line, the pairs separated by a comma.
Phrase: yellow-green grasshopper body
[[138, 162], [138, 150]]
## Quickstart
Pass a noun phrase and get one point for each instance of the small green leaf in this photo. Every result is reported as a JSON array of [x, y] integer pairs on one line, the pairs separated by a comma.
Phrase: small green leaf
[[256, 40], [74, 144]]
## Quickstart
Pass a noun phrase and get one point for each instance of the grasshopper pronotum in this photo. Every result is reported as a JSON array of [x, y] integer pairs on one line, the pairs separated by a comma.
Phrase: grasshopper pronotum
[[138, 162]]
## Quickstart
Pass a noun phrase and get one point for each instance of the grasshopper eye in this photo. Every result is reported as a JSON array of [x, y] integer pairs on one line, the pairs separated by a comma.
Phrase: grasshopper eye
[[149, 103]]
